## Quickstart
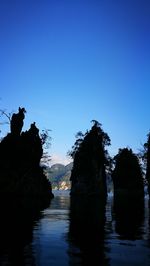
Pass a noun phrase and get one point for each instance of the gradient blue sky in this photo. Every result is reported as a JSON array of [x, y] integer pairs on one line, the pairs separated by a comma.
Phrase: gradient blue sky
[[68, 62]]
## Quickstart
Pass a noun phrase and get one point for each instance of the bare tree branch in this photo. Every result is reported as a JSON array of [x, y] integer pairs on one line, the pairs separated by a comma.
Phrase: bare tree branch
[[4, 113]]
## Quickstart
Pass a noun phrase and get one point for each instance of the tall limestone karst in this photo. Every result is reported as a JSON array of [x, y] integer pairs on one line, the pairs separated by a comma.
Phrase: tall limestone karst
[[128, 200], [90, 159], [146, 158], [20, 153], [127, 174]]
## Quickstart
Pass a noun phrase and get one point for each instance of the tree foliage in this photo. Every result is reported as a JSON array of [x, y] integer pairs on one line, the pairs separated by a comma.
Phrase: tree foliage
[[145, 155], [80, 137], [46, 142]]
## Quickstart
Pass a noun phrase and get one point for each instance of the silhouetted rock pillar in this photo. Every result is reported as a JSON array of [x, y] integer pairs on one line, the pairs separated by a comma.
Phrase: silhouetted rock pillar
[[148, 163], [89, 174], [34, 144], [16, 122], [127, 174], [20, 171]]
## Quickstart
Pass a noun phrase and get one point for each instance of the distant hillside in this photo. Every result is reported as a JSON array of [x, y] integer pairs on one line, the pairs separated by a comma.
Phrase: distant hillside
[[59, 175]]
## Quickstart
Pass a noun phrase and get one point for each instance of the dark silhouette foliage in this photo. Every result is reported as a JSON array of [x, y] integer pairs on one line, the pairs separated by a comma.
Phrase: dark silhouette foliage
[[127, 173], [90, 160], [45, 138], [146, 159], [20, 154]]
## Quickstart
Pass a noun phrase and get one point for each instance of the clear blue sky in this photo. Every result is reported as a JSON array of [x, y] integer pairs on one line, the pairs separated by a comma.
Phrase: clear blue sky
[[68, 62]]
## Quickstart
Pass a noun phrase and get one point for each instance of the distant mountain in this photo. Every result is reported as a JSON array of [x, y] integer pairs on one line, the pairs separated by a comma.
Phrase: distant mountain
[[59, 175]]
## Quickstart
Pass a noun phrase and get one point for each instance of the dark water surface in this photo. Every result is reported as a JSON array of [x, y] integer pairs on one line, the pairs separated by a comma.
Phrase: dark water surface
[[55, 238]]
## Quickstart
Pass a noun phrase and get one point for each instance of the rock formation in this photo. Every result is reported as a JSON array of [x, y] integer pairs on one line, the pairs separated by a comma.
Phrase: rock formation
[[147, 158], [88, 175], [127, 174], [20, 171]]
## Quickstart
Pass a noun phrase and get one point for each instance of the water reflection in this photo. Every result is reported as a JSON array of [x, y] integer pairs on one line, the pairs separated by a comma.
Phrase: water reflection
[[86, 231], [49, 241], [81, 233], [129, 217], [18, 218]]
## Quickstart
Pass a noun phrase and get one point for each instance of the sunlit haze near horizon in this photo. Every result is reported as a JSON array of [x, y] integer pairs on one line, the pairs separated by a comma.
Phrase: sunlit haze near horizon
[[68, 62]]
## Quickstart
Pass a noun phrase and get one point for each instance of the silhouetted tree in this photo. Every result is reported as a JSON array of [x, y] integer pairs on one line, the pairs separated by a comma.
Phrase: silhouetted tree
[[127, 173], [4, 114], [146, 160], [7, 115], [45, 138], [90, 160]]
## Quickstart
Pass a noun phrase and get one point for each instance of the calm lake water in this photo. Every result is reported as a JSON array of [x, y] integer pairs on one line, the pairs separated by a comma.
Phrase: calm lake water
[[55, 238]]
